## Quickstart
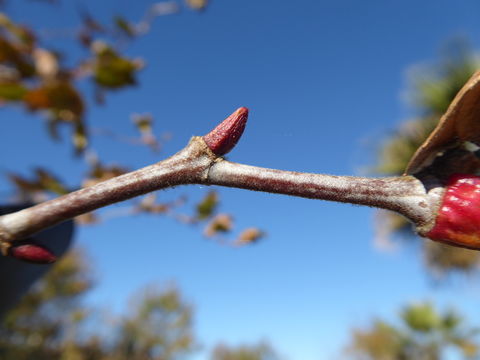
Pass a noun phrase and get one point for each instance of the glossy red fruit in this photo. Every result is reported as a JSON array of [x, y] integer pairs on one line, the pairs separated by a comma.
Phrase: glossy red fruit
[[225, 136], [32, 253], [458, 219]]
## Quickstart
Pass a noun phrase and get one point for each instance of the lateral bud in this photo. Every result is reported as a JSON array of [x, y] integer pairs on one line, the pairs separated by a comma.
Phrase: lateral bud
[[32, 253], [225, 136]]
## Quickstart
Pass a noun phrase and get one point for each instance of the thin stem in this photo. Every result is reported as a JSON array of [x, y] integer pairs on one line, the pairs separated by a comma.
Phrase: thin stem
[[197, 164], [406, 194], [186, 167]]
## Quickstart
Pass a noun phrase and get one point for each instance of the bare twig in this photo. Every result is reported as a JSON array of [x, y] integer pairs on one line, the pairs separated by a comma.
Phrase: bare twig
[[200, 162]]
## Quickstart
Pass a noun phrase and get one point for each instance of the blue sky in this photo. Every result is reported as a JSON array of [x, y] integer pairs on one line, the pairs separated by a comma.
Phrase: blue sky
[[324, 82]]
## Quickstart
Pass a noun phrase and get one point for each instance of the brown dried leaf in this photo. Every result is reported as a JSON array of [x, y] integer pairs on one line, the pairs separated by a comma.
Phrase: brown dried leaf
[[148, 204], [249, 236], [43, 181], [459, 124], [23, 37], [50, 182], [61, 98], [24, 185], [198, 5], [100, 172], [37, 99], [11, 55], [89, 218], [222, 223]]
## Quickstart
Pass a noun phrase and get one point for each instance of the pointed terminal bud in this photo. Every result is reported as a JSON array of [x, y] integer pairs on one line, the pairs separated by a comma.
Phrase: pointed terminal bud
[[32, 253], [225, 136], [458, 219]]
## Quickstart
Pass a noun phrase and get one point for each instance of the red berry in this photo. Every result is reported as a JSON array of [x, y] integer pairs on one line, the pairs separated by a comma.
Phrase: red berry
[[458, 219]]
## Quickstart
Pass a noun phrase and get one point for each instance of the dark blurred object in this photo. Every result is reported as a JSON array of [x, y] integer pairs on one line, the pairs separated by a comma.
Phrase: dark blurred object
[[18, 276]]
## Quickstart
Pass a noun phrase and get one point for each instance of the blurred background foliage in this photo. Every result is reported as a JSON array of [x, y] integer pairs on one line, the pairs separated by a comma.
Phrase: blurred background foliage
[[422, 333], [260, 351], [38, 78], [432, 88], [51, 322]]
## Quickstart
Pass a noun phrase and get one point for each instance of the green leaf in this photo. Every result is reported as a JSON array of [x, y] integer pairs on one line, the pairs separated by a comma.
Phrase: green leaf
[[451, 320], [113, 71], [207, 206], [12, 91], [124, 26], [79, 139], [421, 317], [143, 122]]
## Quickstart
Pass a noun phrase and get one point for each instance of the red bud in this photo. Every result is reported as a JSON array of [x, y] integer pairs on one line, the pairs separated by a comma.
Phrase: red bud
[[458, 219], [32, 253], [225, 136]]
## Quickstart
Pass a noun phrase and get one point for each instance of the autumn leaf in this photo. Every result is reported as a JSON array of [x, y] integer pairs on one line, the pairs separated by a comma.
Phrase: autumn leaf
[[144, 123], [60, 97], [11, 55], [79, 138], [42, 181], [198, 5], [24, 185], [207, 206], [222, 223], [124, 26], [89, 218], [249, 236], [148, 204], [100, 172], [111, 70], [12, 91], [49, 182]]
